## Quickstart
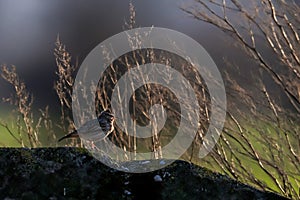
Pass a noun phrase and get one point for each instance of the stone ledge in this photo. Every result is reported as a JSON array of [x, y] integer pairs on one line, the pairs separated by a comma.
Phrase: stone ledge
[[71, 173]]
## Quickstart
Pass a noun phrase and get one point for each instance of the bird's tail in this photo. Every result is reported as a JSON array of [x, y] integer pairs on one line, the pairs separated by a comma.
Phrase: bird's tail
[[73, 134]]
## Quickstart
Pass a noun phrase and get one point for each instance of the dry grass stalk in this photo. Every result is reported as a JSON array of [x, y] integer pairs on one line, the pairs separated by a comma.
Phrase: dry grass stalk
[[64, 83], [245, 143], [23, 100], [270, 137]]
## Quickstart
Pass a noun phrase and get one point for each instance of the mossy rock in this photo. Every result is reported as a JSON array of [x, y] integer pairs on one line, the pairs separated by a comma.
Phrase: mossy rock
[[71, 173]]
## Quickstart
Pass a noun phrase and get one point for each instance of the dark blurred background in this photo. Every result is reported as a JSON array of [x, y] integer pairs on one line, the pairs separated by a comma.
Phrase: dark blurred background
[[28, 30]]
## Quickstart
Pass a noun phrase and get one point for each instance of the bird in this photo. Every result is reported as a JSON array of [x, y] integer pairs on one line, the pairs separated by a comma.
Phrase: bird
[[92, 129]]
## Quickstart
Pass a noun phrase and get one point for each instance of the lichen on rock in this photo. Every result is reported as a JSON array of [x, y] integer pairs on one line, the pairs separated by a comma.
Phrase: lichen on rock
[[72, 173]]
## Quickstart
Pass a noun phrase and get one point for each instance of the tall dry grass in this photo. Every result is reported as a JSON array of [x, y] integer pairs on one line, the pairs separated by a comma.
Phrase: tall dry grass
[[26, 123], [259, 144]]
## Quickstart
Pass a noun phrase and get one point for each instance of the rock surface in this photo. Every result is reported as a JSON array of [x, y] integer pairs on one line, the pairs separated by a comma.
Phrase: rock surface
[[71, 173]]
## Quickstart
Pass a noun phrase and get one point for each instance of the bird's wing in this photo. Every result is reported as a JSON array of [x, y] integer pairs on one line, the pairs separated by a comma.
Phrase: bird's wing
[[92, 128]]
